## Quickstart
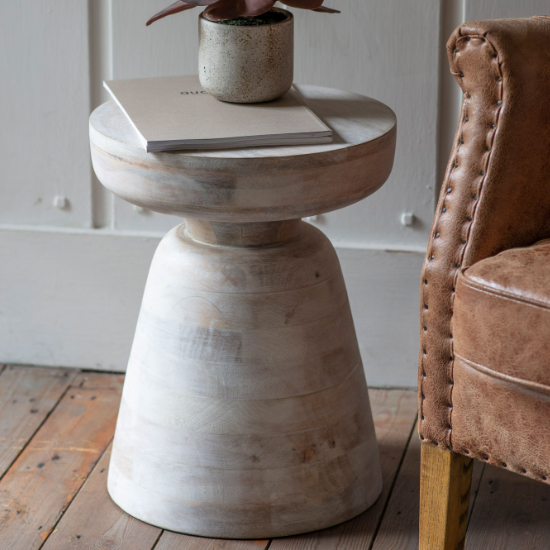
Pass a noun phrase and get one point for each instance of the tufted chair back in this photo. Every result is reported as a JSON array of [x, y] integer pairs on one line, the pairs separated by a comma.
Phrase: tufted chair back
[[484, 365], [496, 193]]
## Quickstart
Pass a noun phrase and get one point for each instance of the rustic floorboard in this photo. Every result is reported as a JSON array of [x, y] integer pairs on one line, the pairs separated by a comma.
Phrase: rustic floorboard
[[27, 395], [399, 529], [44, 479], [511, 512], [54, 494], [394, 415], [99, 380], [175, 541], [93, 520]]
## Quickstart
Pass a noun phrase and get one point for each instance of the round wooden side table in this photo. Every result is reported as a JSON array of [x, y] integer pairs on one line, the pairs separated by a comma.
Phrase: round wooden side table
[[245, 411]]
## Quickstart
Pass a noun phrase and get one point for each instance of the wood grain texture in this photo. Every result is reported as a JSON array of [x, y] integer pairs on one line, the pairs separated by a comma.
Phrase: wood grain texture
[[399, 528], [245, 412], [177, 541], [99, 380], [253, 185], [46, 476], [104, 274], [445, 481], [511, 511], [394, 414], [27, 395], [94, 521]]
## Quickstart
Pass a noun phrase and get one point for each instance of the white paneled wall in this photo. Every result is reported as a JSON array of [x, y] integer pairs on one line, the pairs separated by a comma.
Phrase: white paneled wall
[[72, 277], [44, 104]]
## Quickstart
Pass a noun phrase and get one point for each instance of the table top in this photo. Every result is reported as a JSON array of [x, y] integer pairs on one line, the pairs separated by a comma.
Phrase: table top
[[253, 184]]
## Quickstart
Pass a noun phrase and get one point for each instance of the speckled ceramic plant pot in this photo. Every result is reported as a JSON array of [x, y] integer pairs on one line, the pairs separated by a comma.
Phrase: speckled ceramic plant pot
[[248, 64]]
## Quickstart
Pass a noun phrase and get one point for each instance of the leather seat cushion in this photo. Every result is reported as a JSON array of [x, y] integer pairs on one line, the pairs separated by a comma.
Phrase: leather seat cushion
[[501, 320], [500, 397]]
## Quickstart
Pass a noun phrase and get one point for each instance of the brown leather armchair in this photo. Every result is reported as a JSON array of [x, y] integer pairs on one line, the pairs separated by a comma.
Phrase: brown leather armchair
[[484, 367]]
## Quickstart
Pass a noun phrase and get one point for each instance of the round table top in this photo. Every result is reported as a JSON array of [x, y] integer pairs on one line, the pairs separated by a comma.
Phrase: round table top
[[253, 184]]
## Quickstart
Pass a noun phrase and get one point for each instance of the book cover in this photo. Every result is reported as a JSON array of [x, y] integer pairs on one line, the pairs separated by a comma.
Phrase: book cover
[[175, 113]]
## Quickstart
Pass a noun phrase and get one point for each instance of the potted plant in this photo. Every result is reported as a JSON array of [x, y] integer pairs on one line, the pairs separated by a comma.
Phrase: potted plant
[[246, 47]]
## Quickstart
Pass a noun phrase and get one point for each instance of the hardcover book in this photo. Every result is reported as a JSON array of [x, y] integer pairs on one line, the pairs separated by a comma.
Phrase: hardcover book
[[175, 113]]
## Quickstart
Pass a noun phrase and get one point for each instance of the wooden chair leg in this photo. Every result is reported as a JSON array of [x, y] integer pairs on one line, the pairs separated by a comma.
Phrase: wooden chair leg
[[445, 480]]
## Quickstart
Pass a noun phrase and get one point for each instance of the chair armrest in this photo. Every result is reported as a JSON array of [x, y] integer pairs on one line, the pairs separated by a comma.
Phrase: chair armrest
[[496, 193]]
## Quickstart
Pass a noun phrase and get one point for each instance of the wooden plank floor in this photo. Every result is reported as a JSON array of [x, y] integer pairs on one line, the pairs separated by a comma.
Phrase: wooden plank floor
[[56, 427]]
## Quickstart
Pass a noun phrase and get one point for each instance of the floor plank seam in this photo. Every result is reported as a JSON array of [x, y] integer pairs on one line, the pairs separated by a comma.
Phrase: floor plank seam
[[394, 481], [476, 492], [162, 531], [64, 510], [44, 420]]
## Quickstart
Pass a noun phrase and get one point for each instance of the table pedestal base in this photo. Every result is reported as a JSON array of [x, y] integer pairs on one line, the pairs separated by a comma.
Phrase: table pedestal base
[[245, 411]]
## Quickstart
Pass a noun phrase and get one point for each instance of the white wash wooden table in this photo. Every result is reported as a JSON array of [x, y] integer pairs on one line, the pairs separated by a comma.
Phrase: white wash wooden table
[[245, 411]]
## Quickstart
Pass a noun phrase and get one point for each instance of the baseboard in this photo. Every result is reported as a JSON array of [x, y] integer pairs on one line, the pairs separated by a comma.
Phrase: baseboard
[[71, 298]]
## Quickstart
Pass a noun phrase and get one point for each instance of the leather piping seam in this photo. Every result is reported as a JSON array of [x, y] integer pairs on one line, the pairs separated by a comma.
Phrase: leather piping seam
[[536, 387], [482, 39], [480, 287]]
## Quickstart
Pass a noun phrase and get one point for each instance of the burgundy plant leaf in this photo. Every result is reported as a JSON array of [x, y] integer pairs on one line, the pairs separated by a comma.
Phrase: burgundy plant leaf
[[178, 6], [223, 10], [256, 7], [324, 9], [172, 8], [304, 4]]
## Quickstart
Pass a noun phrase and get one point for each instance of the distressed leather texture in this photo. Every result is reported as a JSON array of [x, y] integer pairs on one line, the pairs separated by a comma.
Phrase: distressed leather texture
[[501, 324], [481, 391]]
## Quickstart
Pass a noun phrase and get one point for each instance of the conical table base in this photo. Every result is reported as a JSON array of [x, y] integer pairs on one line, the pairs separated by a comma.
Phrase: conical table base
[[245, 411]]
